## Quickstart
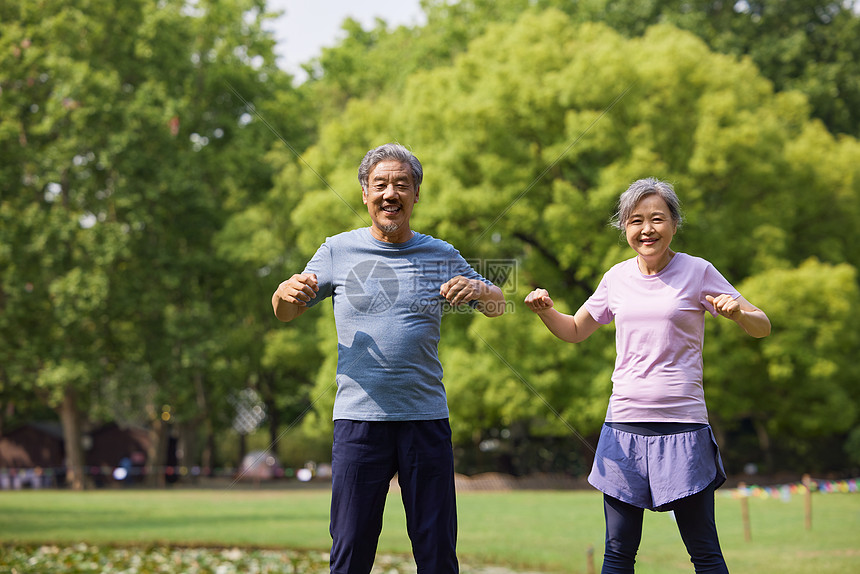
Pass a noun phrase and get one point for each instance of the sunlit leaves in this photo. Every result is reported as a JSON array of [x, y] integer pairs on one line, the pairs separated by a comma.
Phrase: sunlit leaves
[[801, 380], [529, 135]]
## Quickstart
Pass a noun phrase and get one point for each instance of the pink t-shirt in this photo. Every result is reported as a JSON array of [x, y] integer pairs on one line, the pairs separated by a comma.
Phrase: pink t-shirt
[[660, 326]]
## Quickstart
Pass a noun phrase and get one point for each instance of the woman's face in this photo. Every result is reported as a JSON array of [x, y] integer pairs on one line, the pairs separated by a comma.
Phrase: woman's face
[[649, 230]]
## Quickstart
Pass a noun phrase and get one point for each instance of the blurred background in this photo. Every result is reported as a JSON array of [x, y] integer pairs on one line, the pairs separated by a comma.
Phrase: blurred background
[[165, 165]]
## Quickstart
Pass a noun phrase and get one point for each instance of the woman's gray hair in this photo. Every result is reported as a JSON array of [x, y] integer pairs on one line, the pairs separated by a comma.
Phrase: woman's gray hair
[[640, 189], [385, 152]]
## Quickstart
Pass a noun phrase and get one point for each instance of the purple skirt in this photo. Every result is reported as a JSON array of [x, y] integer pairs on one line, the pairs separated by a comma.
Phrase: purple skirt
[[654, 471]]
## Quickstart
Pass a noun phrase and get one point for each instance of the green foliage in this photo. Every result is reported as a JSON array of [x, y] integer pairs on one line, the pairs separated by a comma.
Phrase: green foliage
[[161, 176], [801, 381], [852, 446], [369, 63], [128, 147], [544, 123], [811, 46]]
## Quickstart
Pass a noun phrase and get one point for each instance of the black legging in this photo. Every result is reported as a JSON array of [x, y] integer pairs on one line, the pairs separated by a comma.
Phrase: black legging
[[695, 517]]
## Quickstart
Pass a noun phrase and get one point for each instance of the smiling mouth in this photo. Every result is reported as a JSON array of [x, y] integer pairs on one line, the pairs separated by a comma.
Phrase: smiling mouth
[[391, 208]]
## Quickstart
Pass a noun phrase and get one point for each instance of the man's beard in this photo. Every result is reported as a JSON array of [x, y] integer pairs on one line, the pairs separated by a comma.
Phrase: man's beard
[[390, 228]]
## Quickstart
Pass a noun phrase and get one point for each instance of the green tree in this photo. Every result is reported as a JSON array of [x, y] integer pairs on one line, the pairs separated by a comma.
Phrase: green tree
[[529, 136], [56, 284], [799, 385], [812, 46], [132, 140], [280, 363], [367, 63]]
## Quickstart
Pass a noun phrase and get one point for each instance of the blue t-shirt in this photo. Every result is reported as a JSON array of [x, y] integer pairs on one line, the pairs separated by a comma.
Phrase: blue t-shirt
[[387, 311]]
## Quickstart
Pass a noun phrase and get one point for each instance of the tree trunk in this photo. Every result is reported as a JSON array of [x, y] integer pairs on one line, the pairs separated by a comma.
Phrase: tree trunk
[[194, 454], [9, 408], [274, 424], [207, 457], [273, 415], [243, 447], [186, 444], [157, 453], [764, 443], [70, 419]]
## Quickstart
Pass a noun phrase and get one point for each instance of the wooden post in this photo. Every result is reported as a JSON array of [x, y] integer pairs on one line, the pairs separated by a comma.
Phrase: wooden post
[[589, 562], [807, 482], [745, 512]]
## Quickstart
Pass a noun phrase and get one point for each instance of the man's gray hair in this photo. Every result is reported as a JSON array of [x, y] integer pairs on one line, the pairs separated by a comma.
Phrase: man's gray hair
[[385, 152], [640, 189]]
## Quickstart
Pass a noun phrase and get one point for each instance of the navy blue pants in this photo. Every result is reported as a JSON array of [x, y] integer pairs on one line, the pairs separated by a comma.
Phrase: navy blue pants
[[365, 457], [695, 517]]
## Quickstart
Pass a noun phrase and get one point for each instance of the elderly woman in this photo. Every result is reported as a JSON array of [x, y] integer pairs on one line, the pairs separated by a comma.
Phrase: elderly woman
[[656, 449]]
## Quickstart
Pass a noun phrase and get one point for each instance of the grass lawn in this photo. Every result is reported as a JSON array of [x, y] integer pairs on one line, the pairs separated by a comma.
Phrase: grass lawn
[[548, 531]]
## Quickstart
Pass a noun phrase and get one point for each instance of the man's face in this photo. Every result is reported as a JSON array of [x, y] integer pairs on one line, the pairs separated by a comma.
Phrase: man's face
[[390, 195]]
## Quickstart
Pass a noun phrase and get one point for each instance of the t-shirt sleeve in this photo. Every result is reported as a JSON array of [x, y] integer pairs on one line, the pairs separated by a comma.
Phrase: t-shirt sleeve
[[459, 266], [321, 265], [598, 304], [713, 284]]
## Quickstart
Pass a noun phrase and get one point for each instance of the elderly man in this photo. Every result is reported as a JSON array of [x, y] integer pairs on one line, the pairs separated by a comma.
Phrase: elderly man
[[389, 286]]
